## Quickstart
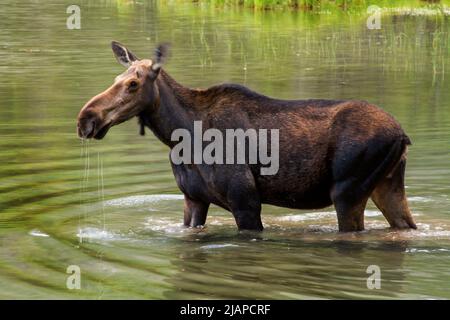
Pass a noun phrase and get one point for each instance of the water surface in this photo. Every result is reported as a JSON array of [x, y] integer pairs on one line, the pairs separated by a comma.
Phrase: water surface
[[112, 208]]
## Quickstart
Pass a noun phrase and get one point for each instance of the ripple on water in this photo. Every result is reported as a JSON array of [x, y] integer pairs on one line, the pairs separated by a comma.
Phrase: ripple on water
[[321, 215], [91, 233], [421, 250], [38, 233], [218, 246], [420, 199], [165, 225], [320, 222], [140, 200], [428, 230], [307, 216]]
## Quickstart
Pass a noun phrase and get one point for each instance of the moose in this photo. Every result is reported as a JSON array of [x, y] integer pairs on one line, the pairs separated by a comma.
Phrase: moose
[[331, 152]]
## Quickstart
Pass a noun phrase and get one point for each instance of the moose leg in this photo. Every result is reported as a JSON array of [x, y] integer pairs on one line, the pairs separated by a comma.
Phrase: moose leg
[[248, 219], [357, 171], [245, 204], [390, 197], [195, 212], [350, 211]]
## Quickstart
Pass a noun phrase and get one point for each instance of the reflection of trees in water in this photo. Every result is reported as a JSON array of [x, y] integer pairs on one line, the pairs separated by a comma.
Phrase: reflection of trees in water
[[300, 53]]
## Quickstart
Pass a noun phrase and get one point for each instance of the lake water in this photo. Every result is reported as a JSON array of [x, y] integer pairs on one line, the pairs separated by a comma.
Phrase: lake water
[[112, 208]]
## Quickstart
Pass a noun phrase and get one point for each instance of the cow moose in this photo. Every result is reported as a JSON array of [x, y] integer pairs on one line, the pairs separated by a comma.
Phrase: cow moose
[[331, 152]]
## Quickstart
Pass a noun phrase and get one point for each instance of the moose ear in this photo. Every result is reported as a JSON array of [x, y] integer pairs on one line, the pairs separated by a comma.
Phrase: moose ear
[[161, 55], [124, 56]]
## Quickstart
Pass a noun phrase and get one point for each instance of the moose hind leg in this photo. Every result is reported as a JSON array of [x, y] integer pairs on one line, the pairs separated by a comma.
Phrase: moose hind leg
[[353, 185], [390, 197], [350, 210], [357, 170]]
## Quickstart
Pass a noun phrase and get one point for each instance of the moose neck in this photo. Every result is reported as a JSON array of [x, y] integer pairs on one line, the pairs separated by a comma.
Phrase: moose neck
[[174, 109]]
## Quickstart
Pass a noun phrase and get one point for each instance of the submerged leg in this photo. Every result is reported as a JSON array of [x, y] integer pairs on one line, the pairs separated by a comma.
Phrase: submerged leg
[[195, 212], [390, 197]]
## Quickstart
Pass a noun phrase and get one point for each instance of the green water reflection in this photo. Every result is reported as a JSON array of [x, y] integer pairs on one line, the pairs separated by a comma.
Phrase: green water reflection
[[112, 207]]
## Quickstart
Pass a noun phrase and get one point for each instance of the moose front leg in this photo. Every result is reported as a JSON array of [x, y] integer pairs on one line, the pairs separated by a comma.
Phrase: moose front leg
[[195, 212]]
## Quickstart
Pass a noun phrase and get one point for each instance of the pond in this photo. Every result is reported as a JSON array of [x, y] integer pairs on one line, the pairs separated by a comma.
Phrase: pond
[[112, 207]]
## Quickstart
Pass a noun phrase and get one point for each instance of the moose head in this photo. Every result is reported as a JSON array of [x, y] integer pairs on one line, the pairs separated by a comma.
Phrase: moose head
[[132, 92]]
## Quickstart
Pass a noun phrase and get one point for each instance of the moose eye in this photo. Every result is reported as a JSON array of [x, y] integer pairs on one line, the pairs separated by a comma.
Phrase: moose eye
[[132, 85]]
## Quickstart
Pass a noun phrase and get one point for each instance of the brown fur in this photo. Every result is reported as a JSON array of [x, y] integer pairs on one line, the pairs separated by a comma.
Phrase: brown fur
[[331, 152]]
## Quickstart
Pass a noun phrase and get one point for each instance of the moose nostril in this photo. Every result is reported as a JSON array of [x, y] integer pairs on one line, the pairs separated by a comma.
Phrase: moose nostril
[[86, 128], [90, 128]]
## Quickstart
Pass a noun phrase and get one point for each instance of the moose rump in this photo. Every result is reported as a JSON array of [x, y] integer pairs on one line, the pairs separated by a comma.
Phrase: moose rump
[[341, 153]]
